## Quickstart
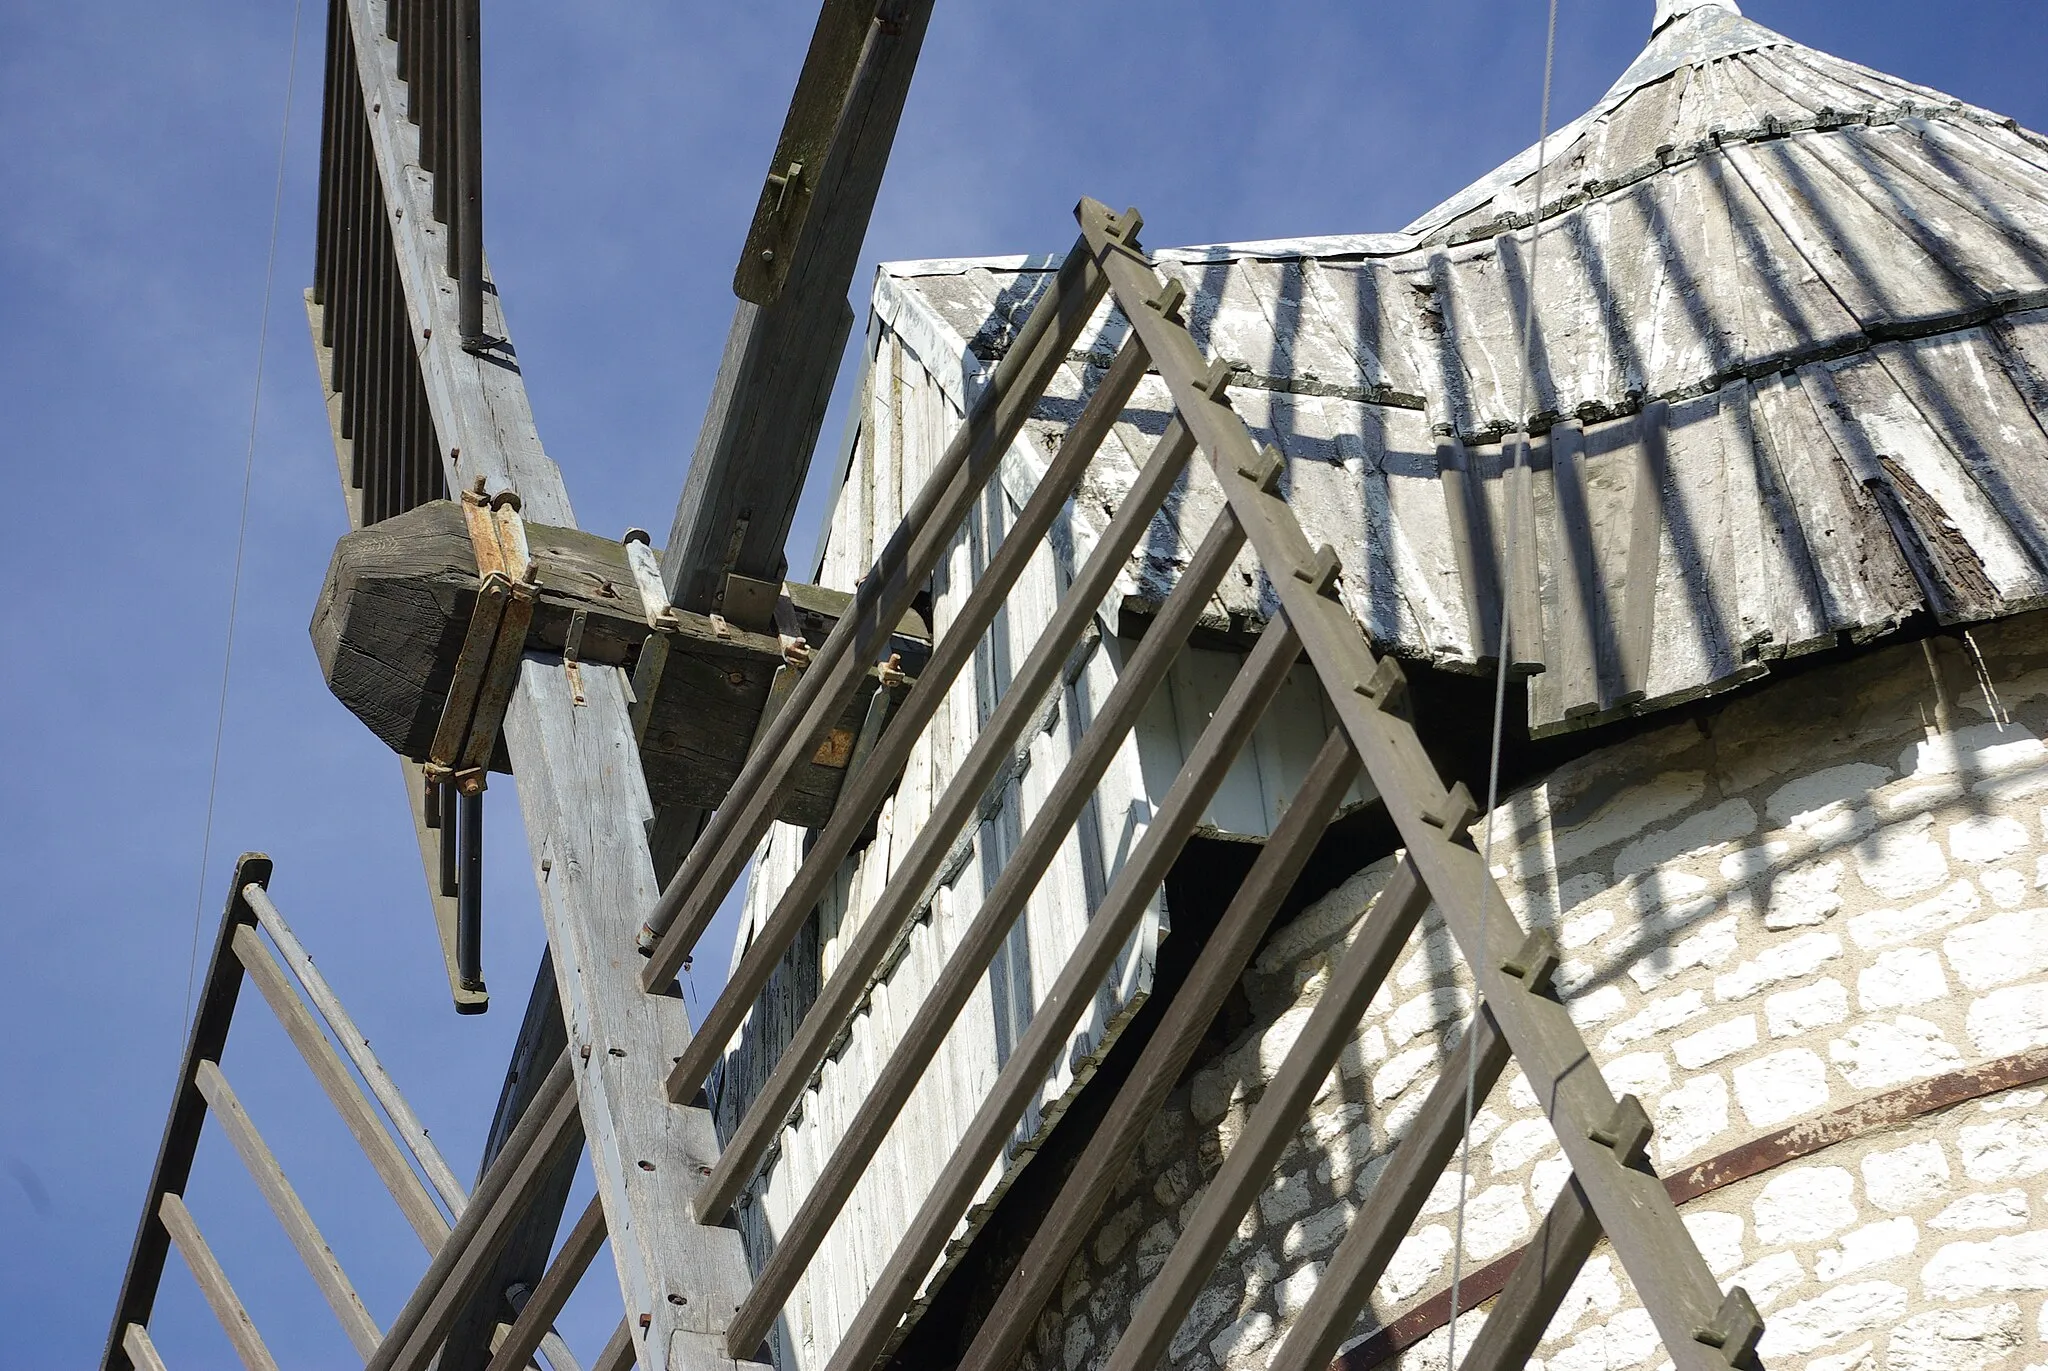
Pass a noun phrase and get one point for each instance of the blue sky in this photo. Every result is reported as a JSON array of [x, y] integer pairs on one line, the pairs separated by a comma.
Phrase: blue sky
[[624, 146]]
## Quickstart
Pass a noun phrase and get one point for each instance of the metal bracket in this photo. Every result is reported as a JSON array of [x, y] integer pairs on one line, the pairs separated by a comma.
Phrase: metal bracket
[[487, 668]]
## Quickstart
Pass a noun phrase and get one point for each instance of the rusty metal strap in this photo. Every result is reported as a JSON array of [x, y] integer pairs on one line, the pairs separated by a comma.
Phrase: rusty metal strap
[[1774, 1149], [487, 668]]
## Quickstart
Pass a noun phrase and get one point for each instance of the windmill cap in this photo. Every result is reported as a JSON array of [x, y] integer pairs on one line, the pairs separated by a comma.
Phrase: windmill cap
[[1670, 11]]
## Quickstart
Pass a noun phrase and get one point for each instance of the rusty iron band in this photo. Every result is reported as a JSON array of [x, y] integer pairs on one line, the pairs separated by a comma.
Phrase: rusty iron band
[[1774, 1149]]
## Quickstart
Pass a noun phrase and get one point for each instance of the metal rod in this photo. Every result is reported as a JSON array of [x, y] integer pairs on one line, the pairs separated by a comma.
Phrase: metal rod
[[213, 1284], [450, 844], [1072, 1219], [547, 1128], [867, 785], [1395, 1200], [1136, 885], [1275, 1120], [693, 894], [341, 1088], [840, 996], [356, 1044], [290, 1210], [469, 139], [545, 1300], [469, 892]]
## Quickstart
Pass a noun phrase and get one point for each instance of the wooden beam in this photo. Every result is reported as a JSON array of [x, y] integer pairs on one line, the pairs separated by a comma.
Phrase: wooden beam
[[141, 1350], [547, 1298], [217, 996], [781, 358], [213, 1284], [584, 798], [276, 1189]]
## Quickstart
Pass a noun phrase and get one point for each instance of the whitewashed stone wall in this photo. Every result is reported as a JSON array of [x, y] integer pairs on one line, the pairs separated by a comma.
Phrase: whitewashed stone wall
[[1803, 899]]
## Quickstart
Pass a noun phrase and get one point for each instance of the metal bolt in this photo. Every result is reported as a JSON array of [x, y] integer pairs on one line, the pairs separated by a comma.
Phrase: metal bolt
[[646, 1166], [767, 257], [584, 1052]]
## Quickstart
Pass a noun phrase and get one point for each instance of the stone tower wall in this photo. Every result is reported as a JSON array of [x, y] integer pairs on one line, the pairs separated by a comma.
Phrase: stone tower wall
[[1812, 897]]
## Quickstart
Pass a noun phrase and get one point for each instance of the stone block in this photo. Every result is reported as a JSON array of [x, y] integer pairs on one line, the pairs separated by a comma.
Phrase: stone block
[[1520, 1143], [1416, 1263], [1584, 928], [2006, 887], [1907, 1177], [1770, 1279], [1596, 1006], [1972, 1213], [1713, 945], [1690, 1117], [2006, 1150], [1714, 1044], [1798, 803], [1781, 1086], [1999, 950], [1820, 1005], [1593, 1290], [1955, 1339], [1977, 751], [1804, 895], [1984, 839], [1830, 1317], [1889, 927], [1862, 1248], [1209, 1307], [1627, 1339], [1236, 1345], [1699, 833], [1495, 1219], [1805, 1205], [1658, 1016], [1965, 1270], [1317, 1233], [2010, 1020], [1293, 1291], [1901, 978], [1875, 1055], [1426, 1011], [1900, 859], [1787, 961], [1718, 1235]]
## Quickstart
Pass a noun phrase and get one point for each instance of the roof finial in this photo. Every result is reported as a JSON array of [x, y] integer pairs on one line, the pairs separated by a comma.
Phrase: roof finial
[[1669, 11]]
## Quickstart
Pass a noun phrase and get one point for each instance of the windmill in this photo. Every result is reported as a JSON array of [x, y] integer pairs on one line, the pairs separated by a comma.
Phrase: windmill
[[669, 716]]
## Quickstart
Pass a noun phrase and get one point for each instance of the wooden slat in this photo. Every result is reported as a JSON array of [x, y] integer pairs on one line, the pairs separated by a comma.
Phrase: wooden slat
[[1545, 1273], [141, 1351], [1679, 1292], [955, 809], [546, 1299], [903, 565], [1274, 1121], [1135, 886], [217, 996], [1111, 1144], [781, 358], [341, 1088], [1396, 1198], [356, 1044], [213, 1284], [290, 1210], [1637, 639], [581, 790], [954, 650], [549, 1129]]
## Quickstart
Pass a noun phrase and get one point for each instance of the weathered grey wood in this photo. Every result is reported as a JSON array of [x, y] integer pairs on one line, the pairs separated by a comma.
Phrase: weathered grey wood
[[397, 606], [780, 359], [542, 1039], [794, 905], [1637, 639], [1549, 1265], [547, 1298], [1076, 1212], [1679, 1292], [356, 1044], [618, 1351], [582, 792], [909, 879], [205, 1041], [1393, 1203], [341, 1088], [284, 1202], [502, 1195], [213, 1284], [141, 1351]]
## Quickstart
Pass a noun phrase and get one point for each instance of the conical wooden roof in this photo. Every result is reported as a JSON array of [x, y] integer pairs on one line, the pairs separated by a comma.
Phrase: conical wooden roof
[[1789, 363]]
